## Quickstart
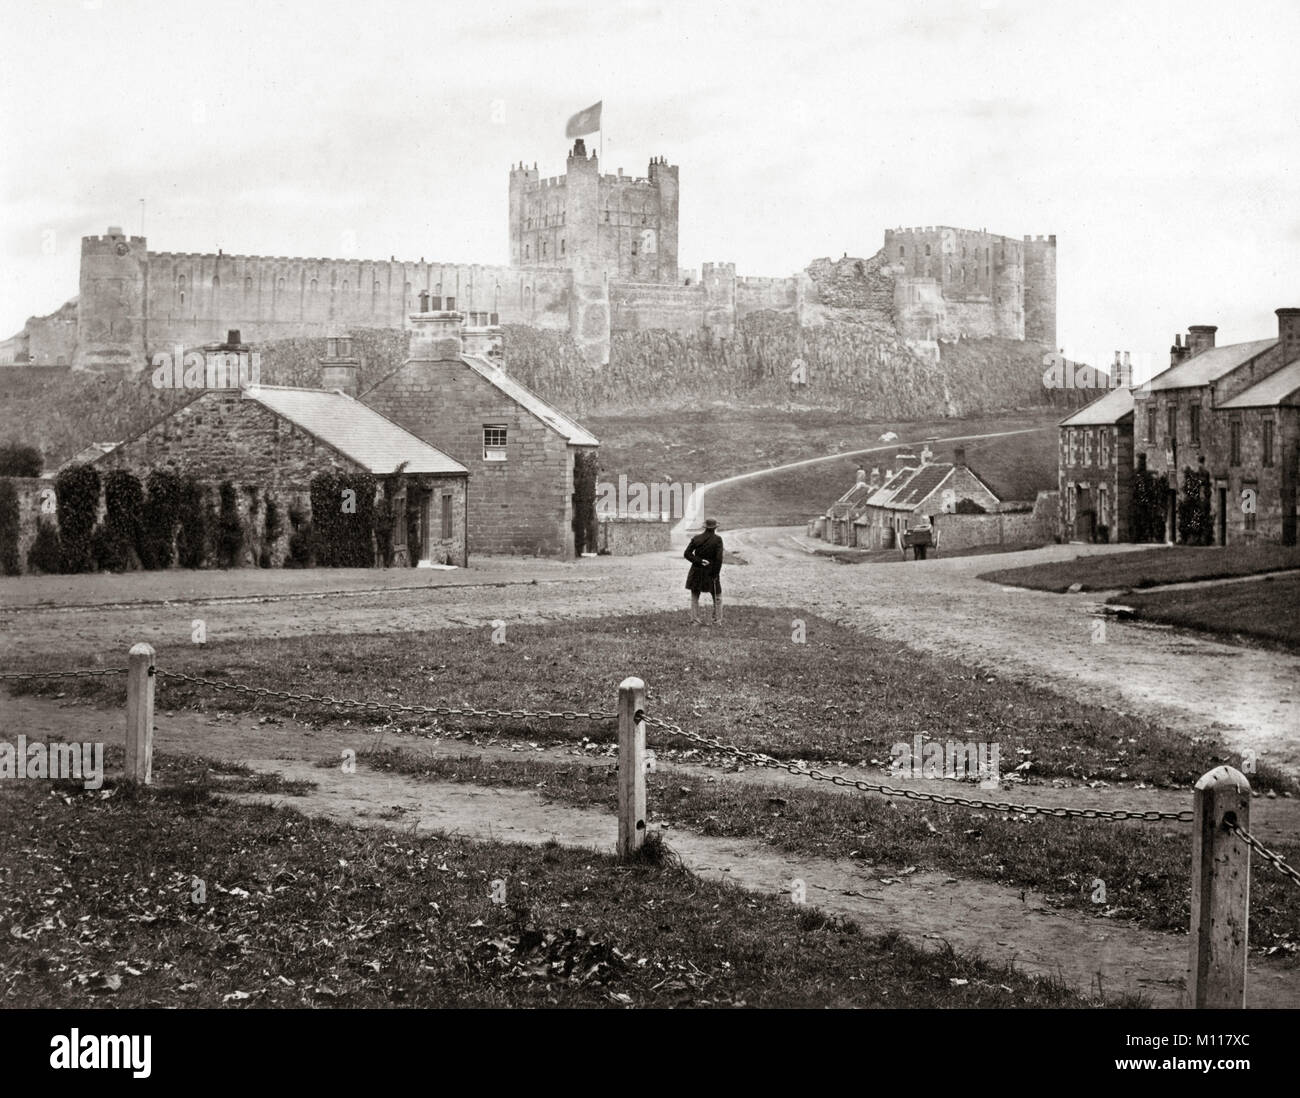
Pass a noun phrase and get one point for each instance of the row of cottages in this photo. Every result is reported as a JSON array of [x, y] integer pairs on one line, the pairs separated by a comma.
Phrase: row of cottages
[[876, 512], [470, 460], [1220, 422]]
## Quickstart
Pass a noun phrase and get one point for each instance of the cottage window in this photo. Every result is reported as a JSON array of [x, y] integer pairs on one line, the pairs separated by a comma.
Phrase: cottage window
[[1266, 442], [902, 251], [1195, 425], [927, 249], [494, 442], [248, 284], [561, 245], [1087, 446], [446, 516], [634, 243], [1171, 414], [1234, 442], [1151, 425]]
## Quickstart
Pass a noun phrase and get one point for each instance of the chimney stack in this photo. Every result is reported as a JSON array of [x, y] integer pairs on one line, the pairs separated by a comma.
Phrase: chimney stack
[[959, 455], [436, 337], [338, 368], [862, 476], [1200, 337], [1288, 334]]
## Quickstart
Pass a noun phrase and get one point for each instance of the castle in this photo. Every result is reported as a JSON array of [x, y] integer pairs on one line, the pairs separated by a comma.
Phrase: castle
[[590, 254]]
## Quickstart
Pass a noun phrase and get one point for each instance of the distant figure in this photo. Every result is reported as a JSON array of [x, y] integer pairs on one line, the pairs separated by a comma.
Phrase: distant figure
[[921, 534], [705, 554]]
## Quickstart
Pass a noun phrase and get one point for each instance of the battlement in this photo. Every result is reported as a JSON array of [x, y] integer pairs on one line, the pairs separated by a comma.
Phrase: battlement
[[110, 238]]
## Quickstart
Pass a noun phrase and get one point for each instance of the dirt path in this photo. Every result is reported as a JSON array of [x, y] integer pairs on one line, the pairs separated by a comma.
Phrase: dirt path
[[976, 917]]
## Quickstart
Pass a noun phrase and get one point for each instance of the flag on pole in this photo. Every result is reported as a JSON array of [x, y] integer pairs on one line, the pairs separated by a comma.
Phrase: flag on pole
[[584, 122]]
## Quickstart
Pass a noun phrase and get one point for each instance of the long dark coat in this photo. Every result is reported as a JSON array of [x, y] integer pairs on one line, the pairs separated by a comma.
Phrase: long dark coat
[[705, 554]]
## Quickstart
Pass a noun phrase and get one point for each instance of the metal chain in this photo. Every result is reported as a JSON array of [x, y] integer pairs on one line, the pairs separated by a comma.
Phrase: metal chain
[[393, 707], [63, 674], [1274, 859], [758, 759]]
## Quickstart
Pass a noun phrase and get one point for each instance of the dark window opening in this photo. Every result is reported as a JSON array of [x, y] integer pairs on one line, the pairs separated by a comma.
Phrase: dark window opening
[[1266, 442]]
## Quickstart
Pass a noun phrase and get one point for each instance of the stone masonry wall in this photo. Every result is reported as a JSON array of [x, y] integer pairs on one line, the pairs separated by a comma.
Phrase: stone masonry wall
[[520, 505]]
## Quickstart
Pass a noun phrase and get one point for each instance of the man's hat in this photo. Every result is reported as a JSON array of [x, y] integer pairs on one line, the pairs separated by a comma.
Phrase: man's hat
[[710, 524]]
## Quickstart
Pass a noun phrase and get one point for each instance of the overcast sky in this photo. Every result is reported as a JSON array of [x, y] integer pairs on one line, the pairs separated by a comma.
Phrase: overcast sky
[[1157, 140]]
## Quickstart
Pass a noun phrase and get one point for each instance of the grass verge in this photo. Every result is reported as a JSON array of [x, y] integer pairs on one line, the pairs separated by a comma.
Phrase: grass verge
[[838, 697], [1149, 568], [301, 912], [1144, 868], [1265, 611]]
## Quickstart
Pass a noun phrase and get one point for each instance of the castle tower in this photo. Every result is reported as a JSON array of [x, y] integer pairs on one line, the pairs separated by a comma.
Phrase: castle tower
[[1040, 291], [112, 327]]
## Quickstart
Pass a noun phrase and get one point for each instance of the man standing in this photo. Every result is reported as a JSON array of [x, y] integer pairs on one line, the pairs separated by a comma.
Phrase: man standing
[[705, 554]]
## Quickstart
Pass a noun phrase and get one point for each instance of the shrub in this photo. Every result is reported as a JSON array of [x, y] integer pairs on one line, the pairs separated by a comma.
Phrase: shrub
[[17, 460], [123, 519], [230, 529], [272, 528], [300, 541], [161, 514], [9, 522], [384, 530], [46, 553], [191, 540], [968, 507], [343, 520], [77, 490]]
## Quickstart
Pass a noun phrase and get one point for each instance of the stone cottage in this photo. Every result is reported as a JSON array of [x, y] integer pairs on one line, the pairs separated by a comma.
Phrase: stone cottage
[[1095, 469], [270, 441], [929, 489], [522, 453]]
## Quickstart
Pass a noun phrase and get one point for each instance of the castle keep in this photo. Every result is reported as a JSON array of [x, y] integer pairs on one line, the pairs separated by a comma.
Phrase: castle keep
[[591, 254]]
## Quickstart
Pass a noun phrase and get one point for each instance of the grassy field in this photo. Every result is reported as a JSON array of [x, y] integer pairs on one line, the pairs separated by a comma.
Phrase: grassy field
[[1145, 868], [297, 912], [1149, 568], [707, 445], [839, 697], [1266, 610]]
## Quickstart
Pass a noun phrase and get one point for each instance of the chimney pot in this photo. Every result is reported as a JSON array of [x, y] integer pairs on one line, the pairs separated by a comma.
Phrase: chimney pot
[[959, 455]]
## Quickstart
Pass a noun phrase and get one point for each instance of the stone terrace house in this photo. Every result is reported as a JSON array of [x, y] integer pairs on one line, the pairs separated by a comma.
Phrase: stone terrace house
[[1095, 470], [269, 441], [520, 451], [845, 510], [928, 489], [1231, 410]]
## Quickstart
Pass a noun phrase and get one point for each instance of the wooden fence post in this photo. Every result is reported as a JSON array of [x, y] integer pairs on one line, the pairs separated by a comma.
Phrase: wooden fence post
[[139, 714], [1220, 891], [631, 767]]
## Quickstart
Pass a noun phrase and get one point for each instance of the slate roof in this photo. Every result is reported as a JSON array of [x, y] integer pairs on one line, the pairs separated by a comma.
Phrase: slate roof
[[576, 434], [354, 429], [1105, 410], [885, 492], [1207, 366], [1271, 391], [925, 480], [908, 488], [855, 497]]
